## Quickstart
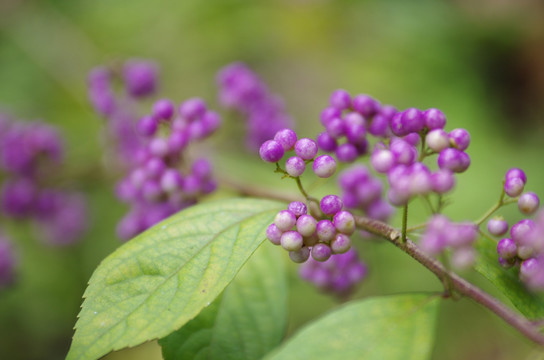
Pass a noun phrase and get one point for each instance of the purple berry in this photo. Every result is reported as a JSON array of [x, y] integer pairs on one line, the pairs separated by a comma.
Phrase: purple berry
[[403, 152], [325, 230], [340, 99], [287, 138], [328, 114], [321, 252], [147, 125], [355, 133], [158, 147], [326, 142], [460, 138], [285, 220], [497, 226], [434, 119], [140, 77], [437, 140], [453, 159], [192, 109], [340, 244], [300, 256], [306, 148], [336, 128], [346, 153], [274, 234], [330, 204], [163, 109], [365, 105], [463, 258], [298, 208], [507, 249], [412, 120], [295, 166], [271, 151], [516, 173], [324, 166], [382, 160], [171, 180], [344, 222], [513, 186], [306, 225], [291, 241], [520, 230], [379, 126], [442, 181], [528, 203]]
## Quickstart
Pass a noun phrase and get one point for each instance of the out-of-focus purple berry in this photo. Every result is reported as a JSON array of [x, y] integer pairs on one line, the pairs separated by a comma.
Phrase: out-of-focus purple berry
[[365, 105], [355, 133], [130, 225], [463, 258], [513, 186], [453, 159], [211, 121], [497, 226], [202, 168], [346, 153], [18, 197], [287, 138], [460, 138], [151, 190], [154, 167], [7, 263], [326, 142], [442, 181], [271, 151], [273, 234], [350, 178], [380, 210], [516, 173], [285, 220], [340, 244], [171, 180], [434, 119], [177, 141], [300, 256], [330, 204], [147, 125], [403, 152], [328, 114], [192, 109], [397, 125], [306, 148], [520, 230], [163, 109], [507, 249], [325, 230], [528, 203], [437, 140], [340, 99], [382, 160], [336, 128], [298, 208], [306, 225], [379, 126], [321, 252], [412, 139], [158, 147], [291, 241], [140, 77]]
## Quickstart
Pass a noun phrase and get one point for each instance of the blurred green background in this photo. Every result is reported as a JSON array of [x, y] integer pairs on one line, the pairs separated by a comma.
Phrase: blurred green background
[[482, 63]]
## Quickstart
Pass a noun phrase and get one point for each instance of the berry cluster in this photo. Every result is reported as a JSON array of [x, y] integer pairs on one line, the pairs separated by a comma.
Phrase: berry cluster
[[305, 149], [525, 246], [347, 121], [30, 156], [159, 180], [138, 79], [338, 275], [157, 186], [7, 262], [242, 90], [441, 234], [302, 234], [361, 190]]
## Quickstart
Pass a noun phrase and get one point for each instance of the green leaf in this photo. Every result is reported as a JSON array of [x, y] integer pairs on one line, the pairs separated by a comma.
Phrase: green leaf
[[246, 322], [381, 328], [155, 283], [507, 281]]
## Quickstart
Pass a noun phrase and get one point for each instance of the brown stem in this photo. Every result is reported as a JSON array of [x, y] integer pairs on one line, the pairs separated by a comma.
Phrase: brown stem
[[460, 285]]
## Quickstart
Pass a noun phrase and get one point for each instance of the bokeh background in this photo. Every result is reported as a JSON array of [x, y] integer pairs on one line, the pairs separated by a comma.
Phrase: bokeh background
[[482, 63]]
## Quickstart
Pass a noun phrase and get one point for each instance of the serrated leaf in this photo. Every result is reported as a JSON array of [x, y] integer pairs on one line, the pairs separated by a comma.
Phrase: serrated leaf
[[507, 281], [381, 328], [155, 283], [246, 322]]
